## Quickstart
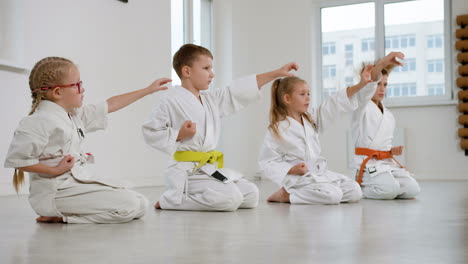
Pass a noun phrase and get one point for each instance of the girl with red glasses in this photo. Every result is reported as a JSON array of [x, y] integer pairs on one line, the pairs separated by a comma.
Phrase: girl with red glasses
[[49, 145]]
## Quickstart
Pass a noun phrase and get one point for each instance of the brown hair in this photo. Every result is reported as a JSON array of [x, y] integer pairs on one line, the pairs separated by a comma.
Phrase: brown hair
[[186, 55], [278, 109], [46, 72]]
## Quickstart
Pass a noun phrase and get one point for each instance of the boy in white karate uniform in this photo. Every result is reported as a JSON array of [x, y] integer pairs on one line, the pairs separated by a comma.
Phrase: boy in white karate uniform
[[49, 144], [186, 124], [380, 175]]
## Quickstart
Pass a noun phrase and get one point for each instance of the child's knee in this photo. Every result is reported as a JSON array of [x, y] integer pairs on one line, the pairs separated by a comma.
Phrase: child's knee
[[410, 190], [355, 193], [250, 196], [133, 206], [229, 200], [232, 203], [143, 205], [333, 196], [387, 191]]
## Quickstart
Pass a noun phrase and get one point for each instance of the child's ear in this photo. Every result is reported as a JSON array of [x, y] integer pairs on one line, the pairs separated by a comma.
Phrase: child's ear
[[287, 98], [56, 92], [185, 71]]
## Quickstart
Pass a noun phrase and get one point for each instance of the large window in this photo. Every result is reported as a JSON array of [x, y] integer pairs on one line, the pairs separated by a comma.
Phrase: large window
[[352, 35], [362, 31], [190, 23]]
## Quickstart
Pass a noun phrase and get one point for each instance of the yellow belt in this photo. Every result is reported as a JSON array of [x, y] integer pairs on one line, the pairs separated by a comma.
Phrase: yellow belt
[[201, 157]]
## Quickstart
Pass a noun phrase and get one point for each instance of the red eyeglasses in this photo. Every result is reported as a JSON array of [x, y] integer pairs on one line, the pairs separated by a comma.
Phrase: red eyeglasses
[[78, 84]]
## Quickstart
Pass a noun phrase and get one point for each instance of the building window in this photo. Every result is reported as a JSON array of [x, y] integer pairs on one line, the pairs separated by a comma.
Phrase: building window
[[367, 45], [401, 89], [329, 48], [435, 66], [349, 54], [434, 41], [329, 71], [435, 89], [400, 42], [349, 81]]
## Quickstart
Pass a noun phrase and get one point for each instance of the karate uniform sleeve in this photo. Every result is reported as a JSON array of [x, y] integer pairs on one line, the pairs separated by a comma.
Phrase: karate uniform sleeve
[[271, 162], [367, 92], [158, 132], [93, 117], [332, 107], [29, 141], [237, 96]]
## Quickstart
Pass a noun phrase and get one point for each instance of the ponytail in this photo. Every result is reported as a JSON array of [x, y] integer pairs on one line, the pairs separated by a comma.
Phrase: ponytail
[[18, 179], [278, 109]]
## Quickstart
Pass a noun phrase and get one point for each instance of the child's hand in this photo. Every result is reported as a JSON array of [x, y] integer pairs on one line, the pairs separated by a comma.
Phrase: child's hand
[[366, 75], [158, 85], [391, 59], [397, 151], [284, 71], [298, 169], [64, 165], [187, 130]]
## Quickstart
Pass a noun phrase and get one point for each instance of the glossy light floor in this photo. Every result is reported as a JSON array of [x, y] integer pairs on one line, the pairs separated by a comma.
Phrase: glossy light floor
[[430, 229]]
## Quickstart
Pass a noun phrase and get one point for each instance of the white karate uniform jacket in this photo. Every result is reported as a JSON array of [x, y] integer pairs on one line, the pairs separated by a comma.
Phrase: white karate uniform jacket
[[178, 105], [301, 144], [373, 129], [46, 137]]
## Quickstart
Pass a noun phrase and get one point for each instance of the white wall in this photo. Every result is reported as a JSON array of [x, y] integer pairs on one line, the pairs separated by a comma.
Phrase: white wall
[[267, 33], [118, 48], [263, 39]]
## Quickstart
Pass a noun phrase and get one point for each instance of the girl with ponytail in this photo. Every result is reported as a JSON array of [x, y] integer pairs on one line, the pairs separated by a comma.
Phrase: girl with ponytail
[[290, 155]]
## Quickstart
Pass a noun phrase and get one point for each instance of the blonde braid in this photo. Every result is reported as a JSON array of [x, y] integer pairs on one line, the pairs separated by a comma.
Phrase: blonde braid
[[49, 71], [18, 179]]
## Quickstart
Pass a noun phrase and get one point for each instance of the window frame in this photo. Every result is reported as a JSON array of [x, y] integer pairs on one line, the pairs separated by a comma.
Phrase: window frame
[[379, 49]]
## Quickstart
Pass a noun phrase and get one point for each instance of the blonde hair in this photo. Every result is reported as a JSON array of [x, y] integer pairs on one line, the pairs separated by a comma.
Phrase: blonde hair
[[279, 109], [47, 72]]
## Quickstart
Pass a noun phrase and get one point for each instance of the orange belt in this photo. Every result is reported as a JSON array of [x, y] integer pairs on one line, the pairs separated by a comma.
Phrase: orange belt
[[371, 153]]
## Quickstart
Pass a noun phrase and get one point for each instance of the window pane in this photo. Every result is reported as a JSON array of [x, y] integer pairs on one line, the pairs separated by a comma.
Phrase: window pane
[[177, 32], [196, 15], [417, 29], [351, 30]]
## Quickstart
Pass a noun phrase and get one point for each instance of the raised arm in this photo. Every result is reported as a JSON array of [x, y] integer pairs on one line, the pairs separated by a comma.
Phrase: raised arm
[[118, 102], [267, 77], [390, 60]]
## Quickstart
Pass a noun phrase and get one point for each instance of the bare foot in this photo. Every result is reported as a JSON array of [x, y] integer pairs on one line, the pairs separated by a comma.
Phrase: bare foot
[[280, 196], [49, 219], [157, 205]]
